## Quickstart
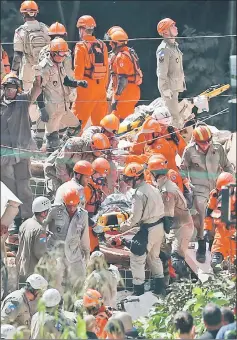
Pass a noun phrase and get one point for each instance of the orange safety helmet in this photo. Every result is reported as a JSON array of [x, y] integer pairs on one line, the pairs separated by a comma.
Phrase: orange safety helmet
[[111, 30], [29, 6], [202, 133], [100, 141], [86, 21], [224, 179], [83, 168], [101, 165], [92, 298], [157, 164], [110, 123], [133, 170], [118, 36], [164, 25], [71, 197], [57, 29], [151, 125], [58, 45]]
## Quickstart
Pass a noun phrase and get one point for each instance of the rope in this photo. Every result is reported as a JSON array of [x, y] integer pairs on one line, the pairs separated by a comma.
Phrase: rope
[[156, 38], [114, 149]]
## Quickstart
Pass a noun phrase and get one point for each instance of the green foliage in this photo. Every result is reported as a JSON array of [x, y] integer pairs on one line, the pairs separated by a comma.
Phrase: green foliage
[[187, 296]]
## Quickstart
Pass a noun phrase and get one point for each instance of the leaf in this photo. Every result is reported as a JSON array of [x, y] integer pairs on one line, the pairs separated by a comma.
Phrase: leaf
[[197, 307], [197, 291]]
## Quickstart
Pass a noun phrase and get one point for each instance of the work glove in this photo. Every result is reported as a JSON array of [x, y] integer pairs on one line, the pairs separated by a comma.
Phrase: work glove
[[82, 83], [207, 235], [114, 105], [44, 116], [168, 94]]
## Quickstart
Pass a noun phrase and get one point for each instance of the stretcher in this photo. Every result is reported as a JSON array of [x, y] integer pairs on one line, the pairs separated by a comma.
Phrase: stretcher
[[135, 122]]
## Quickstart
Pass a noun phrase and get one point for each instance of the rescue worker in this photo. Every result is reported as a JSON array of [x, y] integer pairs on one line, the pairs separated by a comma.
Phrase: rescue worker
[[16, 133], [181, 223], [68, 224], [202, 162], [147, 214], [5, 65], [111, 54], [94, 195], [91, 64], [156, 143], [126, 75], [109, 126], [58, 30], [29, 39], [54, 101], [82, 172], [50, 323], [32, 239], [94, 305], [224, 243], [15, 308], [171, 80], [102, 278], [58, 167], [54, 31]]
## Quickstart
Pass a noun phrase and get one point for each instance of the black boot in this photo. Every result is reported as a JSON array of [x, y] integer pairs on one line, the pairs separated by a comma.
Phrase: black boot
[[138, 290], [159, 286], [201, 251]]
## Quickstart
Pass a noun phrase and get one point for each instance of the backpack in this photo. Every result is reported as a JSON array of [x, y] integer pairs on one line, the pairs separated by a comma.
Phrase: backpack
[[132, 55], [34, 41], [98, 69]]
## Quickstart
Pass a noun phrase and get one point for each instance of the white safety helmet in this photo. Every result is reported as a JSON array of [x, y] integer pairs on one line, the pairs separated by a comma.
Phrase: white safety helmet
[[37, 282], [8, 331], [40, 204], [97, 253], [163, 115], [51, 297]]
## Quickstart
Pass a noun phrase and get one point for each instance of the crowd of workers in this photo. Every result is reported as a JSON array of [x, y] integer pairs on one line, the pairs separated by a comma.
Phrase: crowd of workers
[[77, 111]]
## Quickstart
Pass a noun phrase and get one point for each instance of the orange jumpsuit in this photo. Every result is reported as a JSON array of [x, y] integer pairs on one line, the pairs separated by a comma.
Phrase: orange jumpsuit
[[93, 197], [91, 101], [101, 320], [122, 64], [222, 238], [5, 60], [164, 145]]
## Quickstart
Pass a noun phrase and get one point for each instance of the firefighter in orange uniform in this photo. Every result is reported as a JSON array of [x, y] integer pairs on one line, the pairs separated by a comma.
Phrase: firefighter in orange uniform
[[224, 243], [94, 305], [125, 72], [94, 195], [5, 65], [90, 64]]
